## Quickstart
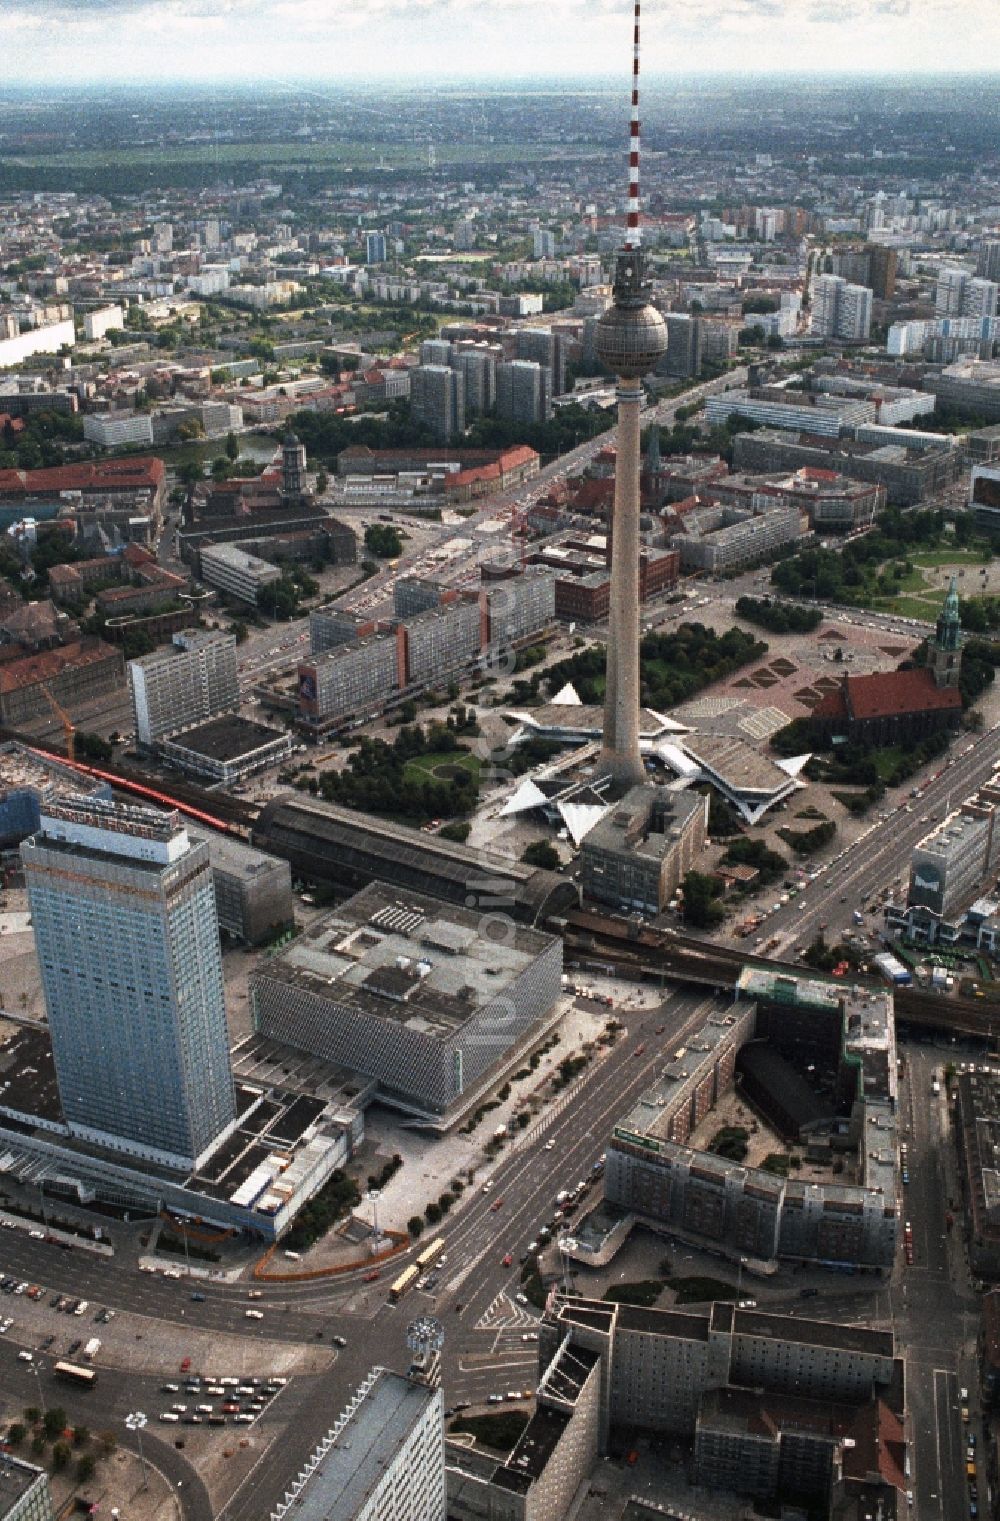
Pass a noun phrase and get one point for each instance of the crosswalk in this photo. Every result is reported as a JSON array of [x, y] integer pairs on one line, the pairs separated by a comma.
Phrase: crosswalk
[[505, 1314]]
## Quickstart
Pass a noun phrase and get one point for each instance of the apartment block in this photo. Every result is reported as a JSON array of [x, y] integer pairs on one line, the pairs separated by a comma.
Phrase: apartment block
[[383, 1459], [347, 681], [725, 539], [840, 309], [653, 1172], [441, 642], [518, 606], [437, 398], [332, 625], [662, 1370], [196, 679], [112, 430], [524, 391]]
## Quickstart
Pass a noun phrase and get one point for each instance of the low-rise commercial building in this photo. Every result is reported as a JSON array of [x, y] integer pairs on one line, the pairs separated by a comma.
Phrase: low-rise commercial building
[[225, 750], [238, 574], [908, 474], [640, 851], [408, 992]]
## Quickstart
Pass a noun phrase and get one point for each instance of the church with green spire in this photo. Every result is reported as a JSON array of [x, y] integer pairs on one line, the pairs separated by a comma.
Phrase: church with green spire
[[944, 651], [900, 707]]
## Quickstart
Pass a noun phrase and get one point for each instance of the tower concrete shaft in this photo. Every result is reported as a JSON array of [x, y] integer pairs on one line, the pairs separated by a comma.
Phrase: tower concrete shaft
[[620, 756]]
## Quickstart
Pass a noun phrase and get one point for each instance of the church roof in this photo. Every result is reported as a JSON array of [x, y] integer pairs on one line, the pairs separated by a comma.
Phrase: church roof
[[891, 694]]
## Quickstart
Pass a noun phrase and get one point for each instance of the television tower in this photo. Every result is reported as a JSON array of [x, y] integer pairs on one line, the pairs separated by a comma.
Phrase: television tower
[[631, 339]]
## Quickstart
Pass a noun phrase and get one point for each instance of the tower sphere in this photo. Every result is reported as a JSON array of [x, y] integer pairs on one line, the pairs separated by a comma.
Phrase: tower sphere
[[631, 336]]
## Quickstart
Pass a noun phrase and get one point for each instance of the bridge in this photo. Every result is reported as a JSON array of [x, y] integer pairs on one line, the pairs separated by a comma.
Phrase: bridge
[[641, 950]]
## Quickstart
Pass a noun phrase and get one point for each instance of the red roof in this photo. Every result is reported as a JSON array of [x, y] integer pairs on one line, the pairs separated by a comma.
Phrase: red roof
[[517, 455], [50, 663], [894, 693], [99, 475], [592, 495]]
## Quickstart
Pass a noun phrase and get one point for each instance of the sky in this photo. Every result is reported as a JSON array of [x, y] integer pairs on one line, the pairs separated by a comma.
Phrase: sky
[[126, 41]]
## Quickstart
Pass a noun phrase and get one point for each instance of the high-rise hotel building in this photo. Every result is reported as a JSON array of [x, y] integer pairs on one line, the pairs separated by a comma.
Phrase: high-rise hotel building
[[127, 936]]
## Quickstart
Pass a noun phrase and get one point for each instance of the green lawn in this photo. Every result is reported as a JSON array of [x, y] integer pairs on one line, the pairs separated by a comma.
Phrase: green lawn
[[937, 557], [887, 760], [429, 763], [349, 153]]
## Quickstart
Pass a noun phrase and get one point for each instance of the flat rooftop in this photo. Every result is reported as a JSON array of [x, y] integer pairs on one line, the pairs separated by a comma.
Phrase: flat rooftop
[[234, 857], [387, 1411], [738, 766], [17, 1479], [226, 738], [21, 767], [810, 1333], [273, 1125], [401, 956]]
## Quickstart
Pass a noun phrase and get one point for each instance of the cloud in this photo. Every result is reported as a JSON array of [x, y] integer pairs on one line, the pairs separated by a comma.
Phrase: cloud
[[340, 39]]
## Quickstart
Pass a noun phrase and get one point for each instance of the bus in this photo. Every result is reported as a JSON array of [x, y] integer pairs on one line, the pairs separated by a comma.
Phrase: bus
[[406, 1280], [75, 1375], [430, 1254]]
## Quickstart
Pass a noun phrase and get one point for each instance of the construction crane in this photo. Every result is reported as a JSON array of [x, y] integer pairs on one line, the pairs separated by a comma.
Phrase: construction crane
[[68, 726]]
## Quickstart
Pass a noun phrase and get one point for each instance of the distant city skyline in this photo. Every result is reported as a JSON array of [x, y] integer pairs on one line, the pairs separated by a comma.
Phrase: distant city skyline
[[116, 41]]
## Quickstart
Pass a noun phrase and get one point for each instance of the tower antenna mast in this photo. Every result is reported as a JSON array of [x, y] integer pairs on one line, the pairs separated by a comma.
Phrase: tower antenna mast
[[633, 236], [631, 340]]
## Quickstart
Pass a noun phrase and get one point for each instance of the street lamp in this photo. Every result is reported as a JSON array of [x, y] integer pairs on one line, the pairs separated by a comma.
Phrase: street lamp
[[136, 1422], [374, 1194]]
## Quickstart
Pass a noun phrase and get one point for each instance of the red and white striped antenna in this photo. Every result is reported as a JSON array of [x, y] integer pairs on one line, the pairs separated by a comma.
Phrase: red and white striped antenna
[[632, 237]]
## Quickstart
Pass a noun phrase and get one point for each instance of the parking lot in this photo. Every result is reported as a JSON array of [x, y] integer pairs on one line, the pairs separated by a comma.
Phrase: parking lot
[[222, 1400]]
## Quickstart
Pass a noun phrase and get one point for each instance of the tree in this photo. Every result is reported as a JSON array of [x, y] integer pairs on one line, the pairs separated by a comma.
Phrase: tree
[[81, 1436], [54, 1421], [383, 539], [415, 1225], [16, 1433], [189, 474], [108, 1443], [541, 853], [432, 1213], [701, 911], [32, 1414], [60, 1455], [85, 1468], [322, 481], [239, 631], [232, 447]]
